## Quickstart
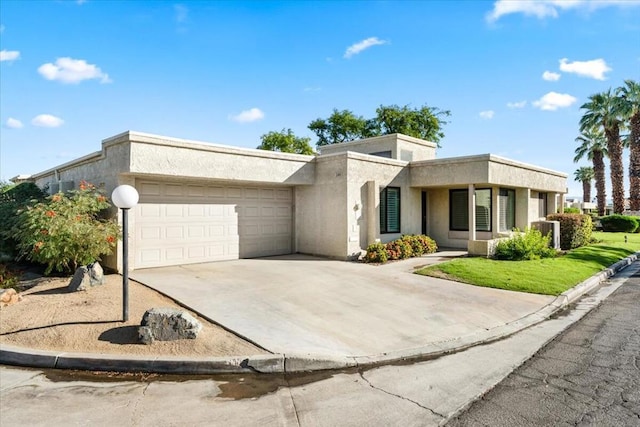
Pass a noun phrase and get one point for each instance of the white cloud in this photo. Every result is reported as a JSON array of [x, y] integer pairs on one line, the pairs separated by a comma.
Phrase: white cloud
[[247, 116], [550, 76], [182, 13], [356, 48], [553, 100], [550, 8], [69, 70], [47, 121], [519, 104], [595, 68], [12, 123], [488, 114], [9, 55]]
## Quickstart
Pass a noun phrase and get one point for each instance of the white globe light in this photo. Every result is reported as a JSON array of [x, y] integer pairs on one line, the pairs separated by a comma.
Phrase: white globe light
[[125, 196]]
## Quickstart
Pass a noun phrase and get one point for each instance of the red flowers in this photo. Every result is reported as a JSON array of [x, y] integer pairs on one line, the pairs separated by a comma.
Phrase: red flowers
[[37, 246], [111, 239], [50, 213]]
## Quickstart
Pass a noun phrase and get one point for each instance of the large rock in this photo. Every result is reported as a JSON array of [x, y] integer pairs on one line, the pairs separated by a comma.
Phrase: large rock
[[87, 277], [9, 296], [168, 324]]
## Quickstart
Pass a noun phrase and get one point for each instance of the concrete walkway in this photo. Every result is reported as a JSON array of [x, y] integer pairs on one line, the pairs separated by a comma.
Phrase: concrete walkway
[[306, 305]]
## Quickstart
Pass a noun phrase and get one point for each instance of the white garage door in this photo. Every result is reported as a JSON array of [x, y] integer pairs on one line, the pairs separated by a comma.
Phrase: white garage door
[[179, 223]]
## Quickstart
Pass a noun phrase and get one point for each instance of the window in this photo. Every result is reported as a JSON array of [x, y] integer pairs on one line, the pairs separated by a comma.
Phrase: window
[[542, 205], [390, 210], [459, 209], [507, 216]]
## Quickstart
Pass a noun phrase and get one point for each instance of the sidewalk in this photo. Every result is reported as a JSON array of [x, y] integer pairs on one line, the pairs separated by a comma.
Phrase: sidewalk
[[316, 314]]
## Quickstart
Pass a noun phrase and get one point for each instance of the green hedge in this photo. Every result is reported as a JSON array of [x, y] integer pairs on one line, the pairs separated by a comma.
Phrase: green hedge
[[619, 223], [575, 229]]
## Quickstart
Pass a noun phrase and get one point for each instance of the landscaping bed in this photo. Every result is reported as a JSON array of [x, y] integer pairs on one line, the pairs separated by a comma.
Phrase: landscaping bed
[[50, 318]]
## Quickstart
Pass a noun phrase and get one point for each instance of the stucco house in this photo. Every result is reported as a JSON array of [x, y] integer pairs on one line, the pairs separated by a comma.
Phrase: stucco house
[[202, 202]]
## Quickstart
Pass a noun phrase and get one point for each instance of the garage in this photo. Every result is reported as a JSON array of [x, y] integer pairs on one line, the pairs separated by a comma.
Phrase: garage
[[186, 223]]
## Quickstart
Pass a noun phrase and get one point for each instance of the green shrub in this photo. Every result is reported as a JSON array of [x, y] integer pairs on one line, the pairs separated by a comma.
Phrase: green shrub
[[399, 249], [9, 278], [376, 252], [572, 211], [575, 229], [525, 246], [619, 223], [65, 231], [12, 199]]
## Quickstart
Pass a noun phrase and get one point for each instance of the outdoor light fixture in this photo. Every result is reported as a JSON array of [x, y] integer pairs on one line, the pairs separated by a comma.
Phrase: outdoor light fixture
[[125, 197]]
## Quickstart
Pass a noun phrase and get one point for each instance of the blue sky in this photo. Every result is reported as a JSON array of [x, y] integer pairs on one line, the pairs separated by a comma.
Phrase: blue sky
[[513, 74]]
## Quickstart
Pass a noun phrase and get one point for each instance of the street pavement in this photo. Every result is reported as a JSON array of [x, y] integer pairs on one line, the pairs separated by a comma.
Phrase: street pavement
[[426, 393], [589, 375]]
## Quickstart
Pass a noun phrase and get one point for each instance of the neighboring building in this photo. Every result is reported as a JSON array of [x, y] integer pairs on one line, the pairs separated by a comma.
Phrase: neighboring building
[[203, 202]]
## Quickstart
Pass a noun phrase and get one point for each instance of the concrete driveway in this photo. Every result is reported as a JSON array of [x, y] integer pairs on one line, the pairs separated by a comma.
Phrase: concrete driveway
[[303, 304]]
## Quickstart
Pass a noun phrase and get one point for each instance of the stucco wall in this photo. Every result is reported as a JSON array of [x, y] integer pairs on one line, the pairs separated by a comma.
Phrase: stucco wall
[[384, 173], [153, 156], [320, 216], [402, 147], [485, 169]]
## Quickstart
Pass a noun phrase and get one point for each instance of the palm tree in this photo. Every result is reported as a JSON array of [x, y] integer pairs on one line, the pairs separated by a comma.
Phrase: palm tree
[[594, 148], [630, 97], [604, 110], [584, 175]]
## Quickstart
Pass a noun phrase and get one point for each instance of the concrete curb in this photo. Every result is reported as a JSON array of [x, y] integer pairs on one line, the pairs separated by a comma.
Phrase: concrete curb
[[294, 362]]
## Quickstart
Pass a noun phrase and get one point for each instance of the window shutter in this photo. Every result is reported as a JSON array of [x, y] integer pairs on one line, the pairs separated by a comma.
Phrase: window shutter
[[393, 210], [459, 210]]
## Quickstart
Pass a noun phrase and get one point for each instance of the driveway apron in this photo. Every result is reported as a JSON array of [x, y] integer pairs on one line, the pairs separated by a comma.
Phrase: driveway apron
[[302, 304]]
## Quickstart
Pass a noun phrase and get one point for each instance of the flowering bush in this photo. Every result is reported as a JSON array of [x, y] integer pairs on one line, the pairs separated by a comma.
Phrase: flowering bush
[[399, 249], [405, 247], [376, 252], [65, 231]]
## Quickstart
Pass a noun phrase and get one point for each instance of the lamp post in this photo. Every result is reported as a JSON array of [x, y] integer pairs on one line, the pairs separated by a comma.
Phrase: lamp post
[[125, 197]]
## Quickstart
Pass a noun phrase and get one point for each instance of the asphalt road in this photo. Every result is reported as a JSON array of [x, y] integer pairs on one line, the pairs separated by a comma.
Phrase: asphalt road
[[587, 376]]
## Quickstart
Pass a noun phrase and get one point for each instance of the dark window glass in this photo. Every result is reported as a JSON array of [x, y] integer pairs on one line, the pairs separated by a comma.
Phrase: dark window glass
[[390, 210], [459, 210]]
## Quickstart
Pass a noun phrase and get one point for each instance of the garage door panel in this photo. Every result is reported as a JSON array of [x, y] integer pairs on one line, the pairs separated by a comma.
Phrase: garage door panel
[[188, 223]]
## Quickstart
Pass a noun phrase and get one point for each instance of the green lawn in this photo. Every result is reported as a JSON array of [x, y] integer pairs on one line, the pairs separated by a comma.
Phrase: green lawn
[[550, 276]]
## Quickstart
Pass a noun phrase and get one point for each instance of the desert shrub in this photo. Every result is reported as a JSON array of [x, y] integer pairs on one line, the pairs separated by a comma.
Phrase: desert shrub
[[376, 252], [399, 249], [12, 199], [575, 229], [65, 231], [619, 223], [8, 278], [525, 246]]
